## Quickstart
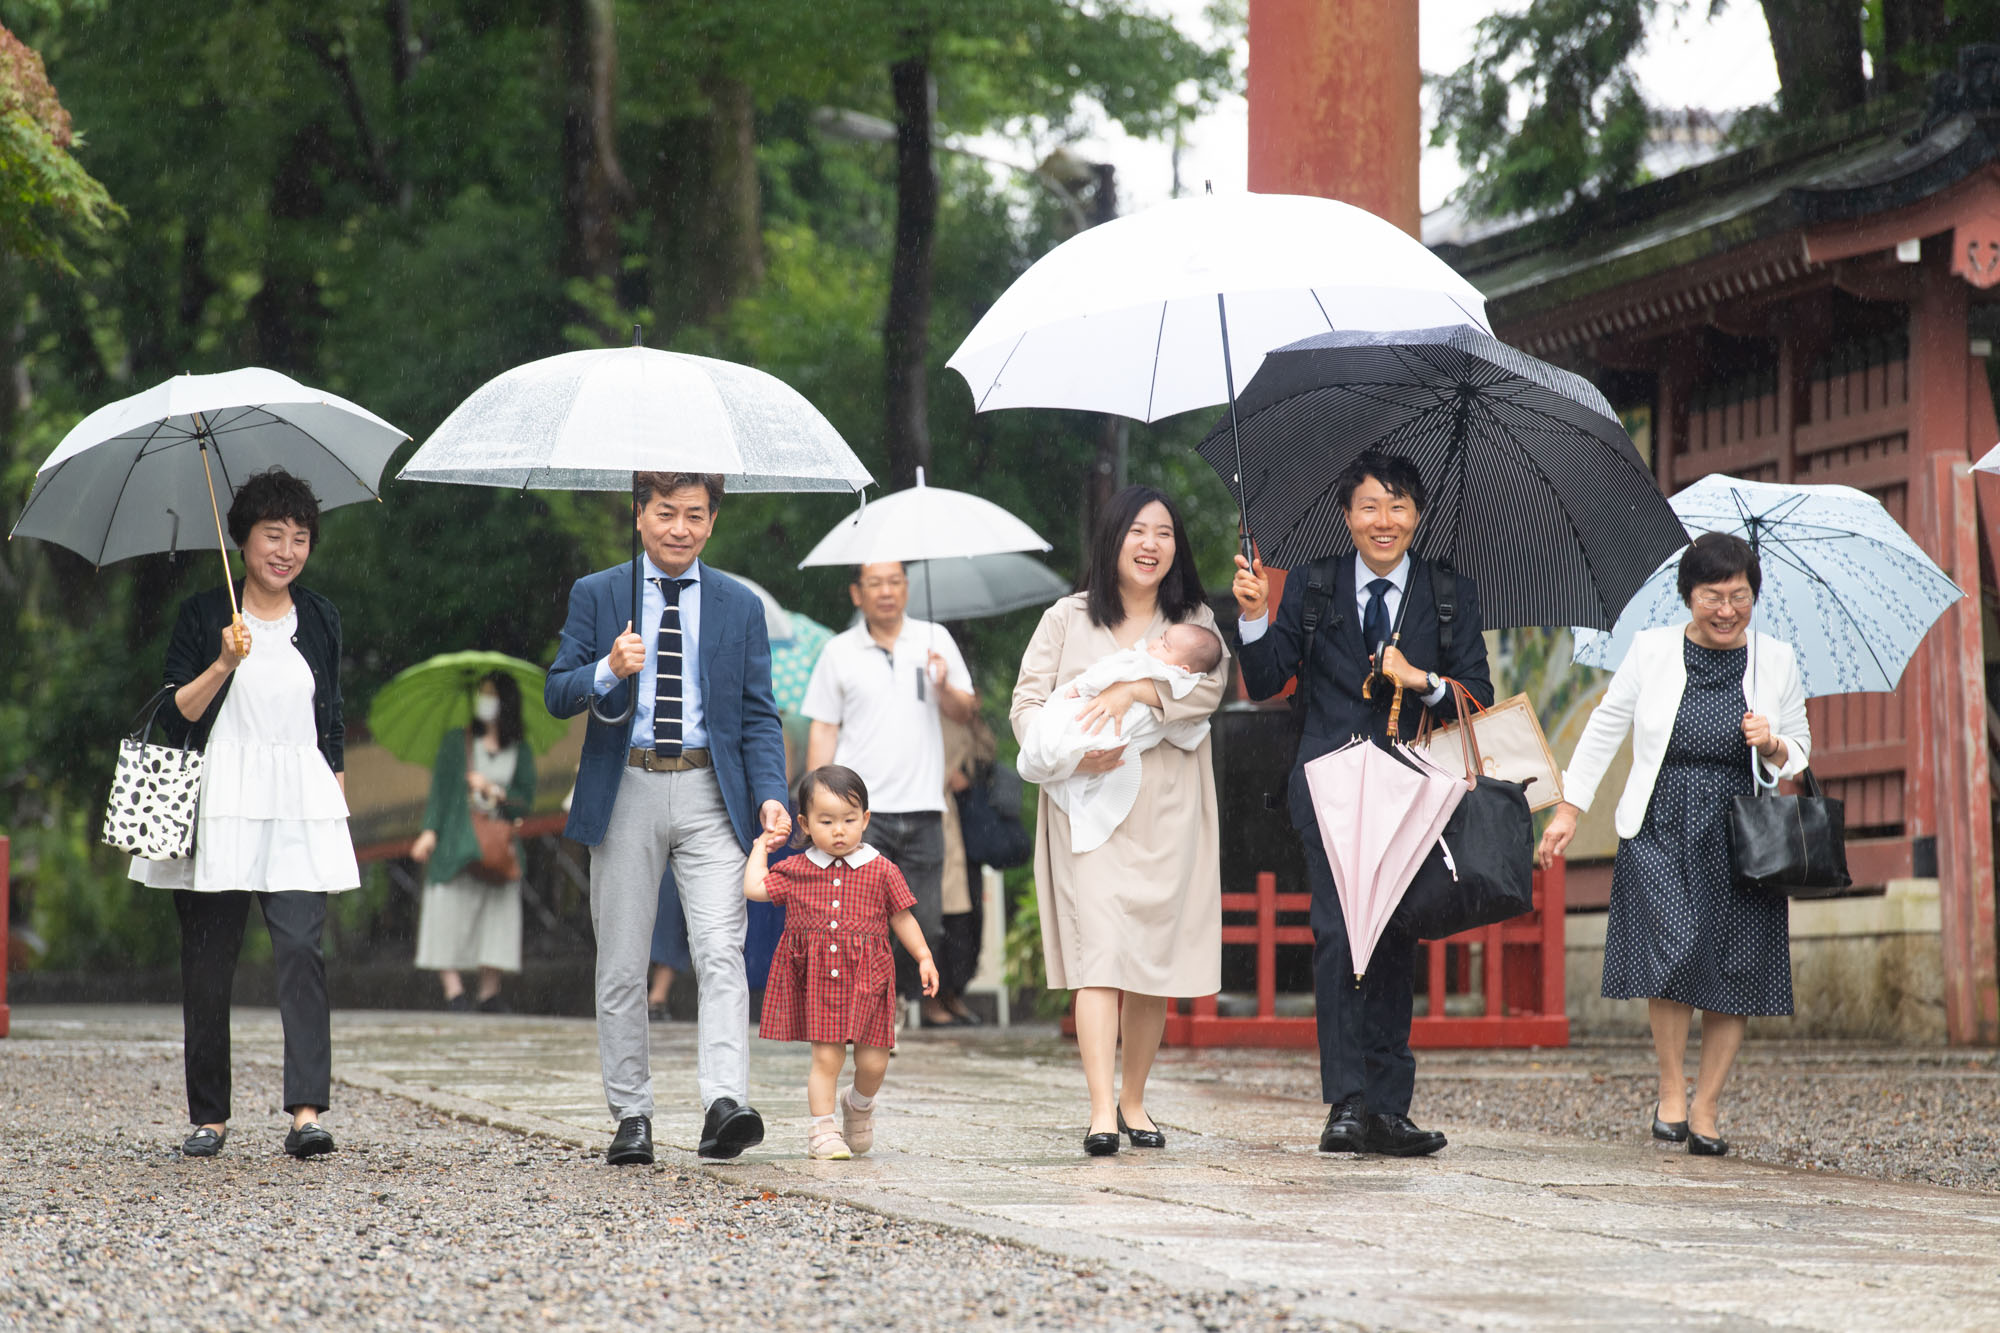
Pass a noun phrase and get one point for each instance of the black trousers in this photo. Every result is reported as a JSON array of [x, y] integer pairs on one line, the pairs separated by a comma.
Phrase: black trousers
[[1364, 1030], [914, 840], [211, 938]]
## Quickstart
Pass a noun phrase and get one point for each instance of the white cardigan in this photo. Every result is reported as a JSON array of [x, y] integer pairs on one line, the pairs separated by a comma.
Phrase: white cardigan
[[1645, 697]]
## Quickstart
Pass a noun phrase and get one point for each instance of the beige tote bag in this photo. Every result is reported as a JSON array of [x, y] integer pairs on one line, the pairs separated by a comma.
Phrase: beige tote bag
[[1511, 746]]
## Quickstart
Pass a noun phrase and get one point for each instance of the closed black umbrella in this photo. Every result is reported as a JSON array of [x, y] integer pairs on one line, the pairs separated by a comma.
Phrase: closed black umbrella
[[1536, 492]]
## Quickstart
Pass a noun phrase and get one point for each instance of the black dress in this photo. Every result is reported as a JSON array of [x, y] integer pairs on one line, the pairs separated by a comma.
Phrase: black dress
[[1679, 927]]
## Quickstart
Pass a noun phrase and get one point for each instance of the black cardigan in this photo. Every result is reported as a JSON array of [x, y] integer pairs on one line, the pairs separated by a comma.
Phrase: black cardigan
[[197, 642]]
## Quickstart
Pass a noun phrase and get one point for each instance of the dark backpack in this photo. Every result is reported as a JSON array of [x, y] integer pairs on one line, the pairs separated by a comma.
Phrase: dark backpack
[[989, 819]]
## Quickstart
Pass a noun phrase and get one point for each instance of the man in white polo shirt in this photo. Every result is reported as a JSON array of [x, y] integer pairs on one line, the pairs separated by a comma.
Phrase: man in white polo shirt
[[874, 701]]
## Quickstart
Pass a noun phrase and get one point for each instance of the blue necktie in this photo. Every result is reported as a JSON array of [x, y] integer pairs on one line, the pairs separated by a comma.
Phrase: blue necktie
[[667, 672], [1375, 617]]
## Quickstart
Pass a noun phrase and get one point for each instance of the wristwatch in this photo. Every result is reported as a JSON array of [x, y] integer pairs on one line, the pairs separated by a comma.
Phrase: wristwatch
[[1431, 682]]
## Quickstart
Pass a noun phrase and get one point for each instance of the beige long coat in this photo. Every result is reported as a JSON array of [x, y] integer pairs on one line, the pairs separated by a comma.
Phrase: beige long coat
[[1143, 912]]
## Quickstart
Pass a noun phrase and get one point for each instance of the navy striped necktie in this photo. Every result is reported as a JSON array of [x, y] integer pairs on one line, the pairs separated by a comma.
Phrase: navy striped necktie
[[667, 671]]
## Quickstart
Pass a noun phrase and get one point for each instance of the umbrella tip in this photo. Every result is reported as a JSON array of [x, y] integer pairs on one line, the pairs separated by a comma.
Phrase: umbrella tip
[[1208, 187], [638, 335], [920, 476]]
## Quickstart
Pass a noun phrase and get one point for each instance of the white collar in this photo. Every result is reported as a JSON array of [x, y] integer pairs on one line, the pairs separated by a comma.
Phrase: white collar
[[653, 571], [1363, 576], [856, 859]]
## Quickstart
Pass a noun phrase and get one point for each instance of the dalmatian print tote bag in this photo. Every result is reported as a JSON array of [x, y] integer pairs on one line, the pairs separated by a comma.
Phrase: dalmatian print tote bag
[[152, 807]]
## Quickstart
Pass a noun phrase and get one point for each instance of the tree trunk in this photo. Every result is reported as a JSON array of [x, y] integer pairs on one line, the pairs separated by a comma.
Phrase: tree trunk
[[906, 326], [595, 191], [708, 210], [1818, 49]]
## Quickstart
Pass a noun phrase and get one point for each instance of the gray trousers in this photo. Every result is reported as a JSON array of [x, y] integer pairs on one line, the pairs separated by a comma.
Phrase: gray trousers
[[658, 819], [914, 840]]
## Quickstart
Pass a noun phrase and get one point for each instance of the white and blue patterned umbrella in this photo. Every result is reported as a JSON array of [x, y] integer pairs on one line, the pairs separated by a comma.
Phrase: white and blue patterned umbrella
[[1843, 583]]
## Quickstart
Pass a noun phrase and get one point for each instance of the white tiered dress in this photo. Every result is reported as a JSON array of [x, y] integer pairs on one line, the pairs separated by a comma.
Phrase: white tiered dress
[[272, 818]]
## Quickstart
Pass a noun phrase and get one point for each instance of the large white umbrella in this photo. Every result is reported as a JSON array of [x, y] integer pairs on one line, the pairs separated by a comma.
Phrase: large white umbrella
[[1843, 583], [590, 420], [143, 475], [1168, 310]]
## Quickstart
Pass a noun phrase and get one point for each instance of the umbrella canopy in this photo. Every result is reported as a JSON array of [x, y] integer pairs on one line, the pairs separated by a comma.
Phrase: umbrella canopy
[[586, 421], [413, 712], [1843, 583], [1380, 811], [973, 587], [134, 477], [1536, 492], [923, 523], [1125, 317]]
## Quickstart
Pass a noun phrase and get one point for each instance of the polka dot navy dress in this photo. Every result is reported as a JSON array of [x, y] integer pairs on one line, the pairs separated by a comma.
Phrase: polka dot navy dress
[[1679, 927]]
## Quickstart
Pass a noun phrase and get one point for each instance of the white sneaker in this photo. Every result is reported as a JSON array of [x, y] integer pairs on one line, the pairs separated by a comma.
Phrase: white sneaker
[[856, 1124], [826, 1145]]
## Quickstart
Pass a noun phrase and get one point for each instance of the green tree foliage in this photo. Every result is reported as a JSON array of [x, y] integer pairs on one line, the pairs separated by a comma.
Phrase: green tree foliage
[[370, 195]]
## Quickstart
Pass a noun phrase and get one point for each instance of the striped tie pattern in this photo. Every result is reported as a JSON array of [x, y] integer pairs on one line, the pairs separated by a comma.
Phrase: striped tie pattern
[[667, 672]]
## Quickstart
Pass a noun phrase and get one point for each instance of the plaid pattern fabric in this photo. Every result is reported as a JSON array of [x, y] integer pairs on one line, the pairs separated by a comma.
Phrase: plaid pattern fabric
[[833, 978]]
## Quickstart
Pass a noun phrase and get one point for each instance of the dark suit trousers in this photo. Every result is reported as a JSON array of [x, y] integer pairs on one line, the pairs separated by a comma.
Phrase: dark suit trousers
[[1364, 1031], [211, 938]]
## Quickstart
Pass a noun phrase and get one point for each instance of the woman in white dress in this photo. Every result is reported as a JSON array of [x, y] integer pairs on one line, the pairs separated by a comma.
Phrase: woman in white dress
[[470, 920], [262, 701]]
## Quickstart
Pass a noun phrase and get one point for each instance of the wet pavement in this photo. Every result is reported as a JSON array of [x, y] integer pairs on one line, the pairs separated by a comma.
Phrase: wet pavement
[[981, 1132]]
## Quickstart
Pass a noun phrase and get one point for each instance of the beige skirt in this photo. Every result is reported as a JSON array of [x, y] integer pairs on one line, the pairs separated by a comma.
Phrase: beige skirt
[[468, 922]]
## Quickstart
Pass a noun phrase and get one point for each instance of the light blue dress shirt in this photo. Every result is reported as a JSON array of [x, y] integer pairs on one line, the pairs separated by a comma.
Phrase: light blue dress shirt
[[1249, 631], [694, 734]]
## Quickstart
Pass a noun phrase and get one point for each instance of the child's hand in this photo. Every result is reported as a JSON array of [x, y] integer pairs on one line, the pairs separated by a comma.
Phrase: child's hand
[[774, 839], [927, 973]]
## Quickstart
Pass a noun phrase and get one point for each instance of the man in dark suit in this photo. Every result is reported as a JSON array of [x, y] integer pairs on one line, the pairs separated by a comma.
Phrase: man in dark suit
[[1367, 1073], [690, 778]]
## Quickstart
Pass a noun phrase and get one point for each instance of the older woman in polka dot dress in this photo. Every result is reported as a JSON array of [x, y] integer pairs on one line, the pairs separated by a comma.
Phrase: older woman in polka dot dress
[[1704, 704]]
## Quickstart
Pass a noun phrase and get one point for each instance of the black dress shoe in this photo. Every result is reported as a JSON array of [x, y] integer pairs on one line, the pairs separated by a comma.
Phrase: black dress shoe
[[1394, 1136], [1345, 1130], [1700, 1145], [1142, 1138], [728, 1129], [204, 1142], [460, 1003], [632, 1145], [1100, 1145], [1668, 1131], [308, 1140], [493, 1004]]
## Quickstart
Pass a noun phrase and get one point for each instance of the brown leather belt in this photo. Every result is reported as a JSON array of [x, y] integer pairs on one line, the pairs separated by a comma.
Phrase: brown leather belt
[[656, 763]]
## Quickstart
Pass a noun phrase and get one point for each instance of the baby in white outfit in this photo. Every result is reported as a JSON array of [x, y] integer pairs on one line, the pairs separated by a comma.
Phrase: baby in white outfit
[[1097, 803]]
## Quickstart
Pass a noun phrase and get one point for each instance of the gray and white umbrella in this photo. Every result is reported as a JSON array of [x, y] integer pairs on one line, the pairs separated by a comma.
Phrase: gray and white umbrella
[[153, 472], [1842, 582], [972, 587], [1536, 492]]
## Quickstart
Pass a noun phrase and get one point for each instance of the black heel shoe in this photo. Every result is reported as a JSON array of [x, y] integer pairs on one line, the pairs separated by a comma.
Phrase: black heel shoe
[[1668, 1131], [1100, 1145], [1141, 1138], [1700, 1145]]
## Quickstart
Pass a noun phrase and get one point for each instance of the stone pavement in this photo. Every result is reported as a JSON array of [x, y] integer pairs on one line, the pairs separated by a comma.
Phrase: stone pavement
[[982, 1132]]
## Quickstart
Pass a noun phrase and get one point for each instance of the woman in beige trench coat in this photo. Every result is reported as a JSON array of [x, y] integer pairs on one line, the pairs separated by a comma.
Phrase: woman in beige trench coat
[[1138, 919]]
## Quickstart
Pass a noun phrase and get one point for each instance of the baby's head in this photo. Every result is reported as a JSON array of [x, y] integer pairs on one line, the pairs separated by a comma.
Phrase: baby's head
[[833, 810], [1189, 647]]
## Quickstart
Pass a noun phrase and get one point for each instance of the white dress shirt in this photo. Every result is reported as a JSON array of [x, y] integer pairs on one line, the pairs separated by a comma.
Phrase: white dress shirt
[[652, 605], [1249, 631]]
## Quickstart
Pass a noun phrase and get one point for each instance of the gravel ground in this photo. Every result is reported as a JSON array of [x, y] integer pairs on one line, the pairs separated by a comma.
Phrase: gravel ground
[[1928, 1116], [419, 1221]]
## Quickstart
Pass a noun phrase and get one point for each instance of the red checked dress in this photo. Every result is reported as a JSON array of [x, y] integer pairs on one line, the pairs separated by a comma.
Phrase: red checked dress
[[833, 977]]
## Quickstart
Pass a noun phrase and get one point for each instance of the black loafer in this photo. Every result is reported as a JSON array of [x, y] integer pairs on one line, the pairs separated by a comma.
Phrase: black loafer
[[632, 1145], [1700, 1145], [1394, 1136], [1668, 1131], [1344, 1130], [728, 1129], [308, 1140], [204, 1142], [493, 1004], [1100, 1145], [1142, 1138]]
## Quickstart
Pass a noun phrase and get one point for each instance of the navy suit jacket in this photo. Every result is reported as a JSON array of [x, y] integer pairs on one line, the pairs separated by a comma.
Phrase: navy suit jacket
[[746, 741], [1336, 712]]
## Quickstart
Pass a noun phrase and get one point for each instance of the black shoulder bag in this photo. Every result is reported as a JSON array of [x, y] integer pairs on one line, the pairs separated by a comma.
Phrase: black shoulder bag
[[1793, 846]]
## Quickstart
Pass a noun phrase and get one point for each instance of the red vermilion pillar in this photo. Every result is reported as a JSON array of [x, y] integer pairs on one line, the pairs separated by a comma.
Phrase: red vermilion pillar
[[1334, 109]]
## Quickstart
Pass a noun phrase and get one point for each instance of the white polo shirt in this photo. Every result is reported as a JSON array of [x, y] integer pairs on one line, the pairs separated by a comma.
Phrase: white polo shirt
[[889, 731]]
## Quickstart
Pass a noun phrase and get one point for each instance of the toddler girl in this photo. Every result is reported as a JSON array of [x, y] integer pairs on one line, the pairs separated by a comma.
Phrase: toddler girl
[[833, 979]]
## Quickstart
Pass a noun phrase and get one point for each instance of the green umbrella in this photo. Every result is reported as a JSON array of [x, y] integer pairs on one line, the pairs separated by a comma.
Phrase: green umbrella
[[412, 713], [792, 660]]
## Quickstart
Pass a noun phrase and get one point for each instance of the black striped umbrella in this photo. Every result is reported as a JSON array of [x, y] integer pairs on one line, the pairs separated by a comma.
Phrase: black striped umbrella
[[1535, 490]]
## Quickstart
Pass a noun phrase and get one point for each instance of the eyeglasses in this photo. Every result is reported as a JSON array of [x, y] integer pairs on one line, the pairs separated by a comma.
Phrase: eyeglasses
[[1740, 600]]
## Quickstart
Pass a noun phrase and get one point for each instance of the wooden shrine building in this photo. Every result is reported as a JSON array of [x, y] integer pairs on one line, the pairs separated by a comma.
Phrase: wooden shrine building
[[1822, 308]]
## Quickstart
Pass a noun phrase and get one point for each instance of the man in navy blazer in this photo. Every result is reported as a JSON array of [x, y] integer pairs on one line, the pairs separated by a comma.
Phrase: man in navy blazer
[[695, 773], [1381, 606]]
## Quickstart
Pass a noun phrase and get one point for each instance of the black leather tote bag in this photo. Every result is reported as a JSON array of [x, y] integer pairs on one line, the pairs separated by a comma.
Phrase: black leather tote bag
[[1790, 845]]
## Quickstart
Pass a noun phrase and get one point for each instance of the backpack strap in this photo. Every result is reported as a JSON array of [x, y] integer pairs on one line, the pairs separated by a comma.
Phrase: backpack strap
[[1316, 605], [1444, 594]]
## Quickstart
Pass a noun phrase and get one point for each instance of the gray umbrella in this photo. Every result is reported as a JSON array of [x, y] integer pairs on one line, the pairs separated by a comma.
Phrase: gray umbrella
[[588, 421]]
